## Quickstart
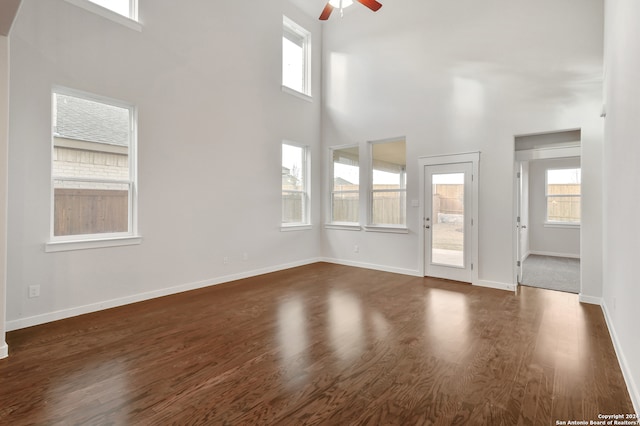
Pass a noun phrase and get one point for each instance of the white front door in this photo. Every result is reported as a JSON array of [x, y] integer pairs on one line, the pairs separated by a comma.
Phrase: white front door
[[448, 221]]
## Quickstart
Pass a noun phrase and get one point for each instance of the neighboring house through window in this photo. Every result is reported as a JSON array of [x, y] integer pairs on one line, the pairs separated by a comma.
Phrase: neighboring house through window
[[296, 58], [563, 192], [93, 167], [295, 185]]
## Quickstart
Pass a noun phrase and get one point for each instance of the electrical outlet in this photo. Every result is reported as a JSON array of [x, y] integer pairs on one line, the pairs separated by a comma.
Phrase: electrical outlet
[[225, 260], [356, 249], [245, 256], [34, 291]]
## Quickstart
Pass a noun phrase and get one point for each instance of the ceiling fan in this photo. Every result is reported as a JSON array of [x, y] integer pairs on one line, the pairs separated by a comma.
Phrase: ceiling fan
[[340, 4]]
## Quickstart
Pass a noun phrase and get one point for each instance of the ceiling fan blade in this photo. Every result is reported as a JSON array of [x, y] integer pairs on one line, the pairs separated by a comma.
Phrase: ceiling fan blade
[[371, 4], [326, 12]]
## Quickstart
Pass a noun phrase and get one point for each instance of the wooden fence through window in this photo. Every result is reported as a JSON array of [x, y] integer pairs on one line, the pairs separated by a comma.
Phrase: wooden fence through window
[[90, 211]]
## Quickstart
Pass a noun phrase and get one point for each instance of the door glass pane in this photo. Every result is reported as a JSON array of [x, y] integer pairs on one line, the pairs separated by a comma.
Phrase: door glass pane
[[447, 237]]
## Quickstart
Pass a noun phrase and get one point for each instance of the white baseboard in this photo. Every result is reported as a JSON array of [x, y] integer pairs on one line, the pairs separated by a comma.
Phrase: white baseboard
[[4, 350], [632, 386], [554, 254], [495, 284], [592, 300], [411, 272], [99, 306], [373, 266]]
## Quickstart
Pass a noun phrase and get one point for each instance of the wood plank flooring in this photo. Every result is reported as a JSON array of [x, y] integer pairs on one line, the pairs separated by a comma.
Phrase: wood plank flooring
[[320, 344]]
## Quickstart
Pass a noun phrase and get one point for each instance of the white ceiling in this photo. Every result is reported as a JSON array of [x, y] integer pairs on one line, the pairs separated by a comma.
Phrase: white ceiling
[[310, 7], [313, 8]]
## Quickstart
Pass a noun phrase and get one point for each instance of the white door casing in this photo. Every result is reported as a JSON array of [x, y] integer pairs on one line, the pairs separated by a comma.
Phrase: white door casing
[[457, 259]]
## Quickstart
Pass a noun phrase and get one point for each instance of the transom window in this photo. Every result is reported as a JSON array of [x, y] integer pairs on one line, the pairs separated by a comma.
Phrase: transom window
[[563, 192], [93, 167], [296, 57], [295, 185]]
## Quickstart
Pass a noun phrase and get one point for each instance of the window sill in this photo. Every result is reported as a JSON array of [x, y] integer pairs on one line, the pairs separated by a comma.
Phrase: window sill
[[387, 229], [56, 246], [343, 226], [295, 93], [108, 14], [562, 225], [287, 228]]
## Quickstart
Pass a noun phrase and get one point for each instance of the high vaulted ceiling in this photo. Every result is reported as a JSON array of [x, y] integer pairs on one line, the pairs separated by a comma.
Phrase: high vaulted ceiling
[[314, 7], [311, 7], [8, 10]]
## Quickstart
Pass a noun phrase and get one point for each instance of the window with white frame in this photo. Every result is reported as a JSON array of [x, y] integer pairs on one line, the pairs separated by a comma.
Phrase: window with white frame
[[388, 184], [93, 167], [296, 57], [123, 7], [563, 192], [345, 185], [124, 12], [295, 185]]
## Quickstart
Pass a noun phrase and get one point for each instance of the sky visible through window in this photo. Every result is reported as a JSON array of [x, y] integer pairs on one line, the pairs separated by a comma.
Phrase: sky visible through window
[[352, 175], [564, 176], [118, 6], [292, 160], [292, 66], [380, 177], [349, 173], [448, 179]]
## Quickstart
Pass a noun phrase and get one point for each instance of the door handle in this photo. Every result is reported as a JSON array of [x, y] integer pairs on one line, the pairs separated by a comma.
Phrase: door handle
[[427, 227]]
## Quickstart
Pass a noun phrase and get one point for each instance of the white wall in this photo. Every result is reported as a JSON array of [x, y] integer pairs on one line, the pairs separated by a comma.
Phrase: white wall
[[451, 77], [207, 82], [622, 184], [4, 162], [543, 239], [464, 76]]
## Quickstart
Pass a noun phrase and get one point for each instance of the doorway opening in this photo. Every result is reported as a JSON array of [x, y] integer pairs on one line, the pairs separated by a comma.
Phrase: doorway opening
[[547, 212]]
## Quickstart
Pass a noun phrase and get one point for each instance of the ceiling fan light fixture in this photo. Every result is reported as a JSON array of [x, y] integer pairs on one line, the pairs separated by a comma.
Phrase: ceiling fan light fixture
[[374, 5], [336, 3]]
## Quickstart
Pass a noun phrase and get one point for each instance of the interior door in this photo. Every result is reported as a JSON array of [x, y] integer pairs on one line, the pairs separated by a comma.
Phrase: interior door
[[448, 221], [522, 217], [519, 252]]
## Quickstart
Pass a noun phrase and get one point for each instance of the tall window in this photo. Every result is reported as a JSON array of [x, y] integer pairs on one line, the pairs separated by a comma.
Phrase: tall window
[[93, 167], [296, 57], [295, 185], [388, 183], [345, 191], [563, 195], [126, 8]]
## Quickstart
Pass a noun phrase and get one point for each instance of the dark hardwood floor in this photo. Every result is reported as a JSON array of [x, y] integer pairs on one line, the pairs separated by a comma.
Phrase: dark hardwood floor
[[320, 344]]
